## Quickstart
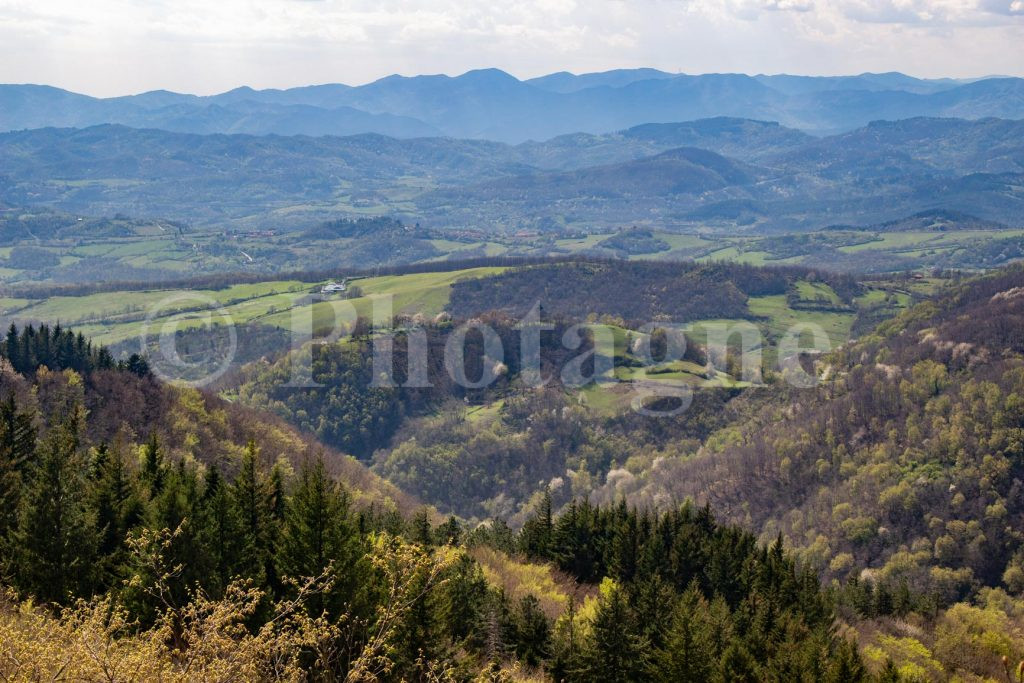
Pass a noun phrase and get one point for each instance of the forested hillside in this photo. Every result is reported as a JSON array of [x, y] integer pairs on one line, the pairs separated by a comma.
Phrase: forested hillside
[[638, 292], [49, 374], [178, 553], [902, 476]]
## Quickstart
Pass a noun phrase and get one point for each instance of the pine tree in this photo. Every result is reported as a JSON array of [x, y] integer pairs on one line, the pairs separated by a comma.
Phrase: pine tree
[[450, 533], [17, 446], [500, 628], [537, 535], [464, 601], [845, 665], [176, 509], [218, 530], [533, 632], [651, 599], [421, 531], [117, 508], [689, 653], [252, 498], [566, 660], [55, 541], [737, 666], [616, 653], [319, 533], [500, 536], [13, 349], [624, 545], [26, 351], [153, 467]]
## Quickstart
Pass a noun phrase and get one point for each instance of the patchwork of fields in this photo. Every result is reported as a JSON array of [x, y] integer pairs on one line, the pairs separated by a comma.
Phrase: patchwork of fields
[[151, 251], [283, 310]]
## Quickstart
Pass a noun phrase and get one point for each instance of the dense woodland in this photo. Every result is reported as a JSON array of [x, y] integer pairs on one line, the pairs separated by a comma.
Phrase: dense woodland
[[183, 567], [900, 477], [636, 292]]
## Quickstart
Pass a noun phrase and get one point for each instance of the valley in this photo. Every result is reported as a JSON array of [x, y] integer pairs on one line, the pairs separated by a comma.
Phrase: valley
[[611, 377]]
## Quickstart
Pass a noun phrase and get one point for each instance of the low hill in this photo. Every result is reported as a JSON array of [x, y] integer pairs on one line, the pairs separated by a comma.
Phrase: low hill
[[741, 139], [684, 171], [940, 220], [695, 174], [632, 291]]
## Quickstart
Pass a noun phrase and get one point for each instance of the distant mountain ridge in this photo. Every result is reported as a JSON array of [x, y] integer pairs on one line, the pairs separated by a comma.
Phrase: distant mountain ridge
[[715, 173], [491, 104]]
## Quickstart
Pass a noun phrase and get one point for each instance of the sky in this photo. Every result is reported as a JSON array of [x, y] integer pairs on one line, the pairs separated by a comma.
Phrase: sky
[[117, 47]]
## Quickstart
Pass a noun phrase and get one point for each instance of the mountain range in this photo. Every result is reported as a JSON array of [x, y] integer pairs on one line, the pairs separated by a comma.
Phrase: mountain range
[[491, 104], [722, 172]]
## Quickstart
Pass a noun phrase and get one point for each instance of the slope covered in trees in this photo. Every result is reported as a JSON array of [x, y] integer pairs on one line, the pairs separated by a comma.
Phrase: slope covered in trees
[[638, 292], [901, 477], [184, 555]]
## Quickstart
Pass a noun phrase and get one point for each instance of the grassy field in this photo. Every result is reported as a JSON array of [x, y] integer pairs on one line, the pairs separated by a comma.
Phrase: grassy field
[[815, 291], [922, 241], [111, 317], [773, 318], [425, 293], [782, 319]]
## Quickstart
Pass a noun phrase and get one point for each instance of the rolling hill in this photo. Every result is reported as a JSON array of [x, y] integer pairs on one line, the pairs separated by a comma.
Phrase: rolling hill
[[695, 173]]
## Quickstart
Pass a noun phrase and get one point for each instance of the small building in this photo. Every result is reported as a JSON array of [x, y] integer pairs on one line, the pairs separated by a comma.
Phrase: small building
[[333, 287]]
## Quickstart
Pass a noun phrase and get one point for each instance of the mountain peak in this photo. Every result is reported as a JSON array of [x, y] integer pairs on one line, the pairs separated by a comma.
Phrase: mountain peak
[[490, 75]]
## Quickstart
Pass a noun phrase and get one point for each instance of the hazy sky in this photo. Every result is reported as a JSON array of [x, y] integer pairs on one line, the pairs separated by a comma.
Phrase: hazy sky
[[112, 47]]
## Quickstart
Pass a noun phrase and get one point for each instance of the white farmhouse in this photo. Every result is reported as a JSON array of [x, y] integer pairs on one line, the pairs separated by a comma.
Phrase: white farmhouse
[[332, 287]]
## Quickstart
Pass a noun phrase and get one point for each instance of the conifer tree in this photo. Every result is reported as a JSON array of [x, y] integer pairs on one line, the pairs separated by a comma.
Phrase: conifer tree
[[117, 508], [55, 542], [219, 529], [566, 658], [537, 535], [845, 664], [252, 498], [624, 545], [153, 466], [464, 598], [319, 533], [616, 652], [17, 445], [13, 349], [689, 653], [500, 639], [533, 632], [176, 509], [737, 666], [450, 533], [422, 532]]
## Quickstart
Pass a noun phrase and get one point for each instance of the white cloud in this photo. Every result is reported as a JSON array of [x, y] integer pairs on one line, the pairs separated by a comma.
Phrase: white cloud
[[117, 46]]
